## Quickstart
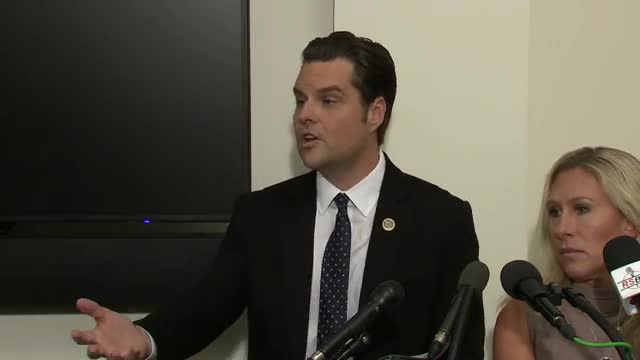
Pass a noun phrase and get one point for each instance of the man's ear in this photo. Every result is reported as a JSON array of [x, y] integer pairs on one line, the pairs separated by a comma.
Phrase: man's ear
[[375, 114]]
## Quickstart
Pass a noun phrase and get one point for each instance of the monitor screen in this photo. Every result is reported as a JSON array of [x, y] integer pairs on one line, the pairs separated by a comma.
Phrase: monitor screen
[[123, 109]]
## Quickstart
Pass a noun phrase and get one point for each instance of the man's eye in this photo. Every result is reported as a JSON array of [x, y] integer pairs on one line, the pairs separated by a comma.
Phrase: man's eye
[[329, 101]]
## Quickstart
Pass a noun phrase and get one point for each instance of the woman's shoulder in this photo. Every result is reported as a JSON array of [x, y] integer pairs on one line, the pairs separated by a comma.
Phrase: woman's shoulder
[[511, 338], [514, 312]]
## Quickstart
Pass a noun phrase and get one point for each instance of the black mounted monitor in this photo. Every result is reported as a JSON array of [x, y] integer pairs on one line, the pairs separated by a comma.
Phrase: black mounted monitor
[[123, 110]]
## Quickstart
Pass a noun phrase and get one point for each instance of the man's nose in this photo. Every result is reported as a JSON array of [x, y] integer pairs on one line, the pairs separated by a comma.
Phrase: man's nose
[[305, 112]]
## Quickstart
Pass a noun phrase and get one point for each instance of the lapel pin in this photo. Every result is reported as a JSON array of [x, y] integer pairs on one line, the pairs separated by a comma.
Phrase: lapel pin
[[388, 224]]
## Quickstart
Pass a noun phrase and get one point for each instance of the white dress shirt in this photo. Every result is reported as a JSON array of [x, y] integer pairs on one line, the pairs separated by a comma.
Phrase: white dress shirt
[[363, 198]]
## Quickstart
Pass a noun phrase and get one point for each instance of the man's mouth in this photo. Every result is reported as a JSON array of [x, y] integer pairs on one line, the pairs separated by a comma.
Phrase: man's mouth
[[309, 137]]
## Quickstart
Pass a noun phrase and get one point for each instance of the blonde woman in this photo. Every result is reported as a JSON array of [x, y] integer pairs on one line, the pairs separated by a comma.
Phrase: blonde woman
[[591, 196]]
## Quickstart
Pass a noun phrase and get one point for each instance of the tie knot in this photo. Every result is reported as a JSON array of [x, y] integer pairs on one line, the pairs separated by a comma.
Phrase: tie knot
[[341, 201]]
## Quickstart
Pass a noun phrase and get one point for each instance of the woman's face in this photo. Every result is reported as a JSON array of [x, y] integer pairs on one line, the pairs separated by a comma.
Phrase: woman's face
[[581, 221]]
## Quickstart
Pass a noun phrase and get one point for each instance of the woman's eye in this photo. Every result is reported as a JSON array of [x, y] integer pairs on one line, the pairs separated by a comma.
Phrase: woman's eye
[[581, 209]]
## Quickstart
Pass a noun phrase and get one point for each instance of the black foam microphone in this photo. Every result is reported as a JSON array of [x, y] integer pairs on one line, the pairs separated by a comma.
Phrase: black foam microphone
[[473, 278], [622, 258], [522, 281], [383, 297]]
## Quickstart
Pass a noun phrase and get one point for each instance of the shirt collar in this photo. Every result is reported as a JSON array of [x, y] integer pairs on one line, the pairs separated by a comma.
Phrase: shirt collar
[[363, 195]]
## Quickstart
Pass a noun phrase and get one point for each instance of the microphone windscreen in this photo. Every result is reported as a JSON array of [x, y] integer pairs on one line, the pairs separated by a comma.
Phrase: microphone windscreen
[[514, 273], [388, 292], [621, 251], [622, 258], [475, 275]]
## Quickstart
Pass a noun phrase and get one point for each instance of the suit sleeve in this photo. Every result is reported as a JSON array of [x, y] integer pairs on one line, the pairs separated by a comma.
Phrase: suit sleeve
[[463, 250], [188, 324], [473, 341]]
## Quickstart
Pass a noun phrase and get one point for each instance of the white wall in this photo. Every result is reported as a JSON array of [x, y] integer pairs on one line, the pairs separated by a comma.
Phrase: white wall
[[490, 93], [461, 115], [279, 31], [584, 81]]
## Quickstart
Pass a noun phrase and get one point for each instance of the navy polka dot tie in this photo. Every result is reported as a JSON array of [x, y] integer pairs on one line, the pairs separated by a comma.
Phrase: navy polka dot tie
[[334, 278]]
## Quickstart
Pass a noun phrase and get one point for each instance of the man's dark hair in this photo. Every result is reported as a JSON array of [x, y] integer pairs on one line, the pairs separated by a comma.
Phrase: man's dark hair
[[374, 72]]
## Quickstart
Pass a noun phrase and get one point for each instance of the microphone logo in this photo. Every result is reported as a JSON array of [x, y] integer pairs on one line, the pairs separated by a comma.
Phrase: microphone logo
[[631, 280]]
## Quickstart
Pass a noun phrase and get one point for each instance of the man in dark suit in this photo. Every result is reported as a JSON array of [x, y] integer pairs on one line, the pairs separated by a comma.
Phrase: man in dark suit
[[302, 256]]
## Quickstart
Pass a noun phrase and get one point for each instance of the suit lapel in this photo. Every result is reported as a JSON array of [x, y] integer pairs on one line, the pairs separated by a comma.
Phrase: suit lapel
[[391, 225], [297, 246], [297, 243]]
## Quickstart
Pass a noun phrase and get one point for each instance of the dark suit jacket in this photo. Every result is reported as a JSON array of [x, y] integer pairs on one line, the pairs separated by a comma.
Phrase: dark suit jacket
[[264, 265]]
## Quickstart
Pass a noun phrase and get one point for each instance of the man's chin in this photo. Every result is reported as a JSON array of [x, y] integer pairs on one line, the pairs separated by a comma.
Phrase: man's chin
[[310, 161], [311, 165]]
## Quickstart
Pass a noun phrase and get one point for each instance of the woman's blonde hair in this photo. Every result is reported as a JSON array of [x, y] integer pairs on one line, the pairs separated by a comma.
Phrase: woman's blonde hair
[[618, 173]]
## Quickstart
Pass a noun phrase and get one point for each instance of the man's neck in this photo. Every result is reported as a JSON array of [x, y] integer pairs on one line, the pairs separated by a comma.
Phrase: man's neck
[[347, 176]]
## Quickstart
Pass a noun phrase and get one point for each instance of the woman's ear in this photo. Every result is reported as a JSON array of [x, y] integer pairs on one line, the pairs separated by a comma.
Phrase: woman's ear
[[631, 229]]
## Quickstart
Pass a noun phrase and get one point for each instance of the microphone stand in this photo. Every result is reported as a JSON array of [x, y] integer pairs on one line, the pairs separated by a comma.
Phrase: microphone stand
[[354, 346], [460, 325], [578, 301]]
